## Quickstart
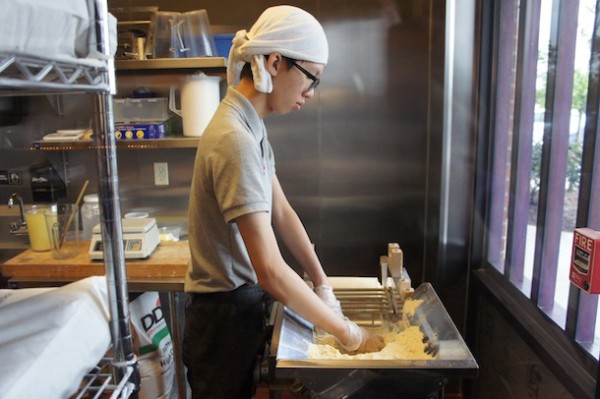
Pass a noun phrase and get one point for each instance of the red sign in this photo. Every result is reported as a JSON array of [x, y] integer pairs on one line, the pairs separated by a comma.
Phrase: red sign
[[585, 261]]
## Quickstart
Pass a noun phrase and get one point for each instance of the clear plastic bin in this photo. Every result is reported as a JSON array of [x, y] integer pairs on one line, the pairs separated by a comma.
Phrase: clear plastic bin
[[169, 233], [141, 109], [223, 42]]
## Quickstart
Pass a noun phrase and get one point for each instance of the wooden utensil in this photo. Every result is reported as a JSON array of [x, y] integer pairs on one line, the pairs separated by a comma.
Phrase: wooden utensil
[[79, 197]]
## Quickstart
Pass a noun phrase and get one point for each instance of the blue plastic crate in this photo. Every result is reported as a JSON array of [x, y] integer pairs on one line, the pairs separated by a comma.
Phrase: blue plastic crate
[[223, 43]]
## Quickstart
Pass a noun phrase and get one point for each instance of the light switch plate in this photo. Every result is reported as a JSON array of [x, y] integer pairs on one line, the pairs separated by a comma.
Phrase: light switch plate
[[161, 173]]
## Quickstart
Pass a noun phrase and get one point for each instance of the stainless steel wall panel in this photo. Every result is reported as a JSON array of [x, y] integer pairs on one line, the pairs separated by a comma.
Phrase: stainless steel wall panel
[[353, 162], [361, 162]]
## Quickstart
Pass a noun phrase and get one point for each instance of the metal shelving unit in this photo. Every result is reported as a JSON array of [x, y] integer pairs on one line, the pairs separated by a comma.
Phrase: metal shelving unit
[[25, 74]]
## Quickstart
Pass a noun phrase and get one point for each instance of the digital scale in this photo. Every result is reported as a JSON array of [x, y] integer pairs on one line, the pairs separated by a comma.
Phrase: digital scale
[[140, 238]]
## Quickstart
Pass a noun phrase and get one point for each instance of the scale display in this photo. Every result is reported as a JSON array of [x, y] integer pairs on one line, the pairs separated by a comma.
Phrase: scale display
[[140, 238], [128, 245]]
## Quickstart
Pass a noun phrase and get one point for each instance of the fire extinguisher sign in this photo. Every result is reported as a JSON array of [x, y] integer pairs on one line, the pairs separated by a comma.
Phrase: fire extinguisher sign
[[585, 261]]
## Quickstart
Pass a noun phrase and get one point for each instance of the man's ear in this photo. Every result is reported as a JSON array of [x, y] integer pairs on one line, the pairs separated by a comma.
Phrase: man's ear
[[274, 63]]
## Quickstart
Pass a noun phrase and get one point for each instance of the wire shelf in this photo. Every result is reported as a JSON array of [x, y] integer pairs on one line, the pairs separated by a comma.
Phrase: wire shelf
[[27, 72], [99, 383]]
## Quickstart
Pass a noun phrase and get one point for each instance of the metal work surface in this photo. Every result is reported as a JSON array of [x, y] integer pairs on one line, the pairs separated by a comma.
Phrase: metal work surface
[[332, 378]]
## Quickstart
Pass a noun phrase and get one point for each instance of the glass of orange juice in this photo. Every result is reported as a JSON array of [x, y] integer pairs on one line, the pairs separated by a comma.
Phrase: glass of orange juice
[[36, 227]]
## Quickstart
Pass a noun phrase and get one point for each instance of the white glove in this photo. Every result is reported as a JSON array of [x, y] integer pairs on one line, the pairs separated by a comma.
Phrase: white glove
[[325, 292], [355, 336], [361, 340]]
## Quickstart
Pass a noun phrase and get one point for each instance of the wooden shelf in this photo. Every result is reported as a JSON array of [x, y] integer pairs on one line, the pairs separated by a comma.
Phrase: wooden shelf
[[170, 63], [170, 142]]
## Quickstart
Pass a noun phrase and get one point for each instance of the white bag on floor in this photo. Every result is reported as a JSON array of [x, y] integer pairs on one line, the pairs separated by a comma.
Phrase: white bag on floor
[[154, 347]]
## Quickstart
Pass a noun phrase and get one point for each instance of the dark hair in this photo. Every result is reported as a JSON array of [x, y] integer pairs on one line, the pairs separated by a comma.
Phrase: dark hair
[[247, 69]]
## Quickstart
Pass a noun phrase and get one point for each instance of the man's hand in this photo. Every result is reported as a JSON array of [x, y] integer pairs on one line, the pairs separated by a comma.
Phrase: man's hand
[[325, 293], [361, 340]]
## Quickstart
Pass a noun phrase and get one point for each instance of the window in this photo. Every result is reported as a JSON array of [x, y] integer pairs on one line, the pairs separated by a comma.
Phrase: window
[[542, 140]]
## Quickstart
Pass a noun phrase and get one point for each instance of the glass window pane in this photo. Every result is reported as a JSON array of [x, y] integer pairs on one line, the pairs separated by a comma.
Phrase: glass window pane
[[560, 166], [539, 126], [505, 104], [576, 129], [532, 159]]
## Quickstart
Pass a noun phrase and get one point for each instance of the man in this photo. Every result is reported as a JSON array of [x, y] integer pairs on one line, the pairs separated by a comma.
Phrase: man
[[237, 205]]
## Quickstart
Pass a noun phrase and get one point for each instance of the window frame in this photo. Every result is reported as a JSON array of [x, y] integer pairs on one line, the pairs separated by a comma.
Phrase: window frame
[[561, 349]]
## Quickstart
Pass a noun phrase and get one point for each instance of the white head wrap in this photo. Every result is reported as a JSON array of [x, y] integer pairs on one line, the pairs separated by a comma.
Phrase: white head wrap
[[288, 30]]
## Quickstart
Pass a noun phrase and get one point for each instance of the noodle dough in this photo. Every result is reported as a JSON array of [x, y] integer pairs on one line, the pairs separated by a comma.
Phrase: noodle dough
[[406, 345]]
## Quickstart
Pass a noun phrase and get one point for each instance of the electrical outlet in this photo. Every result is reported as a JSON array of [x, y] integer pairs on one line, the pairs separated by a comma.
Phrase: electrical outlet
[[161, 174]]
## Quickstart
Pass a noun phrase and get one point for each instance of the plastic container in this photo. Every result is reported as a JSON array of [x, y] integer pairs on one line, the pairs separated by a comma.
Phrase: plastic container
[[180, 35], [165, 36], [197, 36], [142, 130], [136, 215], [169, 233], [129, 110], [200, 98], [90, 215], [223, 41]]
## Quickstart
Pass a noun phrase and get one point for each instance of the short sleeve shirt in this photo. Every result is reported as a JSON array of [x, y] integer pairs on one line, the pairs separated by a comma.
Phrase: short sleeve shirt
[[233, 174]]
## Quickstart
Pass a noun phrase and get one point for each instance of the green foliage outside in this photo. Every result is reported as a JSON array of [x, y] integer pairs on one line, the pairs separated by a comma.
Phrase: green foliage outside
[[580, 87]]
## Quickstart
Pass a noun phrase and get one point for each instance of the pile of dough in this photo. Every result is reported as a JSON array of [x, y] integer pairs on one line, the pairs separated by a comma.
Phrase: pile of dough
[[405, 345]]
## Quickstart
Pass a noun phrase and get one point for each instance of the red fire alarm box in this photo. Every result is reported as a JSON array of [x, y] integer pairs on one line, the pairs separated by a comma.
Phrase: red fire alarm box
[[585, 261]]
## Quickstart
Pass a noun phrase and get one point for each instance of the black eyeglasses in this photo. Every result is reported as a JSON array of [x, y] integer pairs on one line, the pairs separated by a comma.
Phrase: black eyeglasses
[[315, 80]]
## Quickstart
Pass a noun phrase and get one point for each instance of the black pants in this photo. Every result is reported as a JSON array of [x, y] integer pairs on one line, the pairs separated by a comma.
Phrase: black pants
[[224, 333]]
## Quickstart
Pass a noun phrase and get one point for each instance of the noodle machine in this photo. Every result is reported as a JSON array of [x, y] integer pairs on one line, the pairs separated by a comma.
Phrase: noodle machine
[[287, 366]]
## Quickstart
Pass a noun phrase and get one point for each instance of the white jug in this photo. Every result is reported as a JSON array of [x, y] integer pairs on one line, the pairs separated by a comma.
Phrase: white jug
[[199, 100]]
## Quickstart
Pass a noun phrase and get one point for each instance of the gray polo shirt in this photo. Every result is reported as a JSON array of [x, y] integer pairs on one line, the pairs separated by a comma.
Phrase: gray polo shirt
[[233, 174]]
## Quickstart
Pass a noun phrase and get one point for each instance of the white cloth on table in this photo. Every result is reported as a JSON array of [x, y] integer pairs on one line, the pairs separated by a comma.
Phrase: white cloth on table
[[51, 337]]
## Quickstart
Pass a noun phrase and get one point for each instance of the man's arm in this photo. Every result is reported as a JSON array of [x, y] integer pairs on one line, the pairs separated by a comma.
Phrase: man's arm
[[280, 280], [289, 227]]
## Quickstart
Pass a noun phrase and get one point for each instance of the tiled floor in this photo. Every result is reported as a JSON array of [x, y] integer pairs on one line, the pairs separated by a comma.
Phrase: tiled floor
[[262, 392]]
